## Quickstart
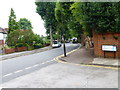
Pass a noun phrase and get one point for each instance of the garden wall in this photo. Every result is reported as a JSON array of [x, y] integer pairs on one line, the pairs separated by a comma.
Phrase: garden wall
[[12, 50], [19, 49], [106, 39], [1, 42]]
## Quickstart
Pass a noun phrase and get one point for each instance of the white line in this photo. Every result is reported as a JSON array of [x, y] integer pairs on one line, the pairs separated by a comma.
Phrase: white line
[[18, 71], [36, 65], [47, 61], [43, 63], [51, 60], [7, 74], [27, 68]]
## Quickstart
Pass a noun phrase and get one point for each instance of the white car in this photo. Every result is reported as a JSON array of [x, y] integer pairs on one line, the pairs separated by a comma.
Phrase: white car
[[56, 44]]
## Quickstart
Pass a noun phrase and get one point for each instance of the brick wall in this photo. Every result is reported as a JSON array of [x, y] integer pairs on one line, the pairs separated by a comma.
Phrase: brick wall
[[11, 50], [1, 42], [106, 39]]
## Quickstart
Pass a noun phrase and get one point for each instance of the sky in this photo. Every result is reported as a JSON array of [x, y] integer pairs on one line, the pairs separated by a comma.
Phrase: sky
[[23, 9]]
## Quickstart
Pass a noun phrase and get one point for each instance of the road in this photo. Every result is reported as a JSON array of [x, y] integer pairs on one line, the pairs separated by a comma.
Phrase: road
[[40, 71], [15, 67]]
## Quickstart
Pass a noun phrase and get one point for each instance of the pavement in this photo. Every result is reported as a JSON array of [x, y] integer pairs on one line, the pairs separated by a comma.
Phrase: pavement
[[17, 54], [86, 56]]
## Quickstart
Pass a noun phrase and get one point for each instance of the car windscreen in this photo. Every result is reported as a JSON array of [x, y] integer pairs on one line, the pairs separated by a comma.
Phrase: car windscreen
[[55, 42]]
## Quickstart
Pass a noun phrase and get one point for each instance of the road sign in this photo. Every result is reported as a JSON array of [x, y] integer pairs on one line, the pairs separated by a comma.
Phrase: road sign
[[109, 48]]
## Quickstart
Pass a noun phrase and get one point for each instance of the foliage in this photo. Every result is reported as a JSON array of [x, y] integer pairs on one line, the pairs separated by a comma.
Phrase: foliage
[[63, 15], [12, 23], [102, 17], [36, 46], [46, 11], [21, 45], [25, 24], [75, 28], [23, 38]]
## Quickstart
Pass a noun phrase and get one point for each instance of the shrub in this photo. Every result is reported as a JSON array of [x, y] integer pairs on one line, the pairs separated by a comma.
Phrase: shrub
[[21, 38], [36, 46], [21, 45]]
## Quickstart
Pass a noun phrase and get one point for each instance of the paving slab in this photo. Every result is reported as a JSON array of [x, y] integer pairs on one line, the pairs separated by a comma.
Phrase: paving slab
[[80, 56], [106, 61], [86, 56]]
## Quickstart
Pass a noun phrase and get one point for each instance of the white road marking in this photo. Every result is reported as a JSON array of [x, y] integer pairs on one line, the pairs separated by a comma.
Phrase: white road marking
[[36, 65], [28, 68], [47, 61], [7, 74], [18, 71], [51, 60], [43, 63]]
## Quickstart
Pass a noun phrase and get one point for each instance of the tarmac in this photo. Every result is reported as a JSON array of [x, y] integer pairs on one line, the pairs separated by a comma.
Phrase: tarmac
[[77, 57]]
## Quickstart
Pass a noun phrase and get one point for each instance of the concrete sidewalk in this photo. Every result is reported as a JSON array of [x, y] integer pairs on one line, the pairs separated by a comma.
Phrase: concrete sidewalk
[[86, 56], [17, 54]]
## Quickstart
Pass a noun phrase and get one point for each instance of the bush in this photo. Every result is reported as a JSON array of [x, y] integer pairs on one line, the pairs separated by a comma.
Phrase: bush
[[30, 48], [21, 45], [36, 46]]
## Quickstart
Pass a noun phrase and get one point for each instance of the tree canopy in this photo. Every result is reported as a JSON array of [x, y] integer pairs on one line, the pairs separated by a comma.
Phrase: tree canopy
[[99, 16], [25, 24], [73, 18], [12, 23], [46, 11]]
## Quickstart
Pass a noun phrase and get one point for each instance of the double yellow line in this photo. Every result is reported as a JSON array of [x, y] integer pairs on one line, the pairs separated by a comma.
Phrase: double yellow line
[[98, 66]]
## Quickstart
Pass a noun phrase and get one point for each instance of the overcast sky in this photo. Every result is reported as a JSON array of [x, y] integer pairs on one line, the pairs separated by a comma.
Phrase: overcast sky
[[23, 9]]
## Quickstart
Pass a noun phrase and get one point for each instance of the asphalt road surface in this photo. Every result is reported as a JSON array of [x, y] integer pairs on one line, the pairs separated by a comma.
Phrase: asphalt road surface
[[16, 67], [40, 71], [59, 75]]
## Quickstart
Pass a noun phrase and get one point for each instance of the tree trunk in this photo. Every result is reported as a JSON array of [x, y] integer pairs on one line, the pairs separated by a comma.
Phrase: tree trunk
[[51, 38], [88, 42], [82, 39], [79, 39]]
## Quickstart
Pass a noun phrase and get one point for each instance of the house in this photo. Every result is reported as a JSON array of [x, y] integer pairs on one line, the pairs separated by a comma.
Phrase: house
[[3, 35]]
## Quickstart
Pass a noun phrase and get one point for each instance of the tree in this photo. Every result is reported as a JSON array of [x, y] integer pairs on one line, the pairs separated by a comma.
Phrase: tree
[[46, 11], [62, 14], [63, 17], [101, 17], [12, 23], [75, 29], [25, 24], [23, 37]]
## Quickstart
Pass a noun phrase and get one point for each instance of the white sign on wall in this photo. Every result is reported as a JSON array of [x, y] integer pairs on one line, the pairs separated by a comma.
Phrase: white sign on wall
[[109, 48]]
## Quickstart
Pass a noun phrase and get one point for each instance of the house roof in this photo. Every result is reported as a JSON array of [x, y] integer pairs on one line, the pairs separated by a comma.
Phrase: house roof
[[3, 30]]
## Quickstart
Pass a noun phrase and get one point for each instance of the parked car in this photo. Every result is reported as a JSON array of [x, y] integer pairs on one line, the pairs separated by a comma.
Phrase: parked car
[[56, 44]]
